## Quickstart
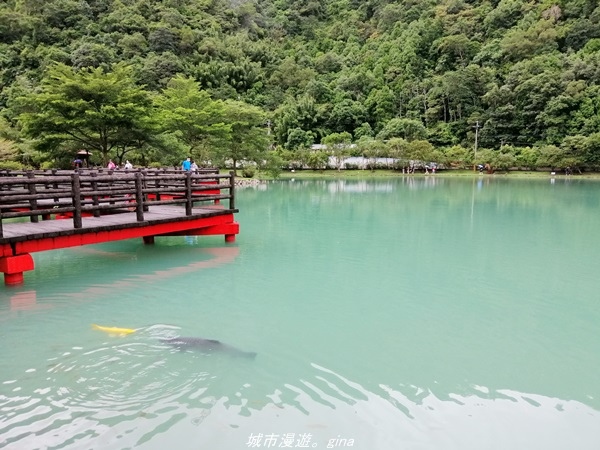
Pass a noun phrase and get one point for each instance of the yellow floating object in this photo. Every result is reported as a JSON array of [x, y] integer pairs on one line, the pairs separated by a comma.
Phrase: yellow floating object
[[114, 330]]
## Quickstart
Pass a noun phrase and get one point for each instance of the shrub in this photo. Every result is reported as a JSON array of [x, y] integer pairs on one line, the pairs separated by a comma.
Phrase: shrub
[[248, 172], [11, 165], [47, 165]]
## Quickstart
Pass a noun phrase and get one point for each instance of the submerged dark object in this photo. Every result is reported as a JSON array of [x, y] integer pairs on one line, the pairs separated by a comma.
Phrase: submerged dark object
[[206, 345]]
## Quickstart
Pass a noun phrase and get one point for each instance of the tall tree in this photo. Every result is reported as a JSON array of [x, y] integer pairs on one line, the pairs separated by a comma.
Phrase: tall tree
[[190, 114], [338, 145], [248, 139], [90, 108]]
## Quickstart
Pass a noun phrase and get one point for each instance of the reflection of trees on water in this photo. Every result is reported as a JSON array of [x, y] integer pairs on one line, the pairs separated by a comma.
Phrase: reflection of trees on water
[[542, 210], [492, 191], [357, 187]]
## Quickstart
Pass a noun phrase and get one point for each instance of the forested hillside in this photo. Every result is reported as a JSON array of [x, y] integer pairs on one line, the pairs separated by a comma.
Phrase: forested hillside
[[411, 77]]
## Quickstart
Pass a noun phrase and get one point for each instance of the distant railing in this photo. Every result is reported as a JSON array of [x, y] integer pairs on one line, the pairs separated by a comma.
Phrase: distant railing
[[99, 171], [84, 192]]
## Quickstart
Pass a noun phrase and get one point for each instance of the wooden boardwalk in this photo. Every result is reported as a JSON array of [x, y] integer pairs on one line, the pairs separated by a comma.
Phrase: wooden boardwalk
[[79, 209], [24, 231]]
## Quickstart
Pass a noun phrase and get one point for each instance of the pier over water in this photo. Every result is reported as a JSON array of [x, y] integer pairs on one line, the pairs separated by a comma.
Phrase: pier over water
[[67, 209]]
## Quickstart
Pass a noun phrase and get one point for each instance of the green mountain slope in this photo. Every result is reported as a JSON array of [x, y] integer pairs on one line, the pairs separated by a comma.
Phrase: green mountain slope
[[528, 72]]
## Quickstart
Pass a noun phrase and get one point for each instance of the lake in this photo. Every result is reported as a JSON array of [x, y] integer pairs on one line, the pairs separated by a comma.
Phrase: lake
[[393, 313]]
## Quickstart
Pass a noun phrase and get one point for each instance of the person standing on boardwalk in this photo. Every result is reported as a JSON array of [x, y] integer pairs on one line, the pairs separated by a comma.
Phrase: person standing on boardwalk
[[128, 165], [186, 165], [111, 165]]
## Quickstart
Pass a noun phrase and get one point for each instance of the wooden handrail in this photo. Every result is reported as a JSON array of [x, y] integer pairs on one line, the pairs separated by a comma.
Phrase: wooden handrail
[[83, 171], [40, 193]]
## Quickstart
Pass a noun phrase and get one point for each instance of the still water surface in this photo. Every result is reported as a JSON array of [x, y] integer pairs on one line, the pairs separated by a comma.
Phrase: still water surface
[[424, 313]]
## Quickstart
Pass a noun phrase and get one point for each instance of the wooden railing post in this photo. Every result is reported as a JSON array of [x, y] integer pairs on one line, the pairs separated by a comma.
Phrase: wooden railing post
[[232, 189], [157, 186], [145, 187], [76, 192], [188, 193], [55, 185], [139, 198], [95, 201], [32, 191], [111, 184]]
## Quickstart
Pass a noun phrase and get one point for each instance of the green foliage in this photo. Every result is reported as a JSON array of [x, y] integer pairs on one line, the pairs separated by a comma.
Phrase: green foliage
[[339, 146], [11, 165], [484, 157], [363, 131], [274, 163], [337, 140], [457, 157], [408, 129], [372, 149], [8, 150], [189, 113], [298, 138], [550, 156], [248, 139], [503, 161], [399, 150], [248, 171], [574, 151], [92, 55], [592, 151], [157, 69], [526, 158], [317, 160], [420, 151], [92, 109], [526, 70]]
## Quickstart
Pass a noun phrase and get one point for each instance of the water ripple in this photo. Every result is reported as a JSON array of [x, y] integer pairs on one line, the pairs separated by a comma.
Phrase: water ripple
[[95, 389]]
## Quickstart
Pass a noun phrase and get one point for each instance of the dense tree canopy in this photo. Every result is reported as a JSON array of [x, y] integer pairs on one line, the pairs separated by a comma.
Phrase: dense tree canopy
[[88, 109], [528, 71], [190, 114]]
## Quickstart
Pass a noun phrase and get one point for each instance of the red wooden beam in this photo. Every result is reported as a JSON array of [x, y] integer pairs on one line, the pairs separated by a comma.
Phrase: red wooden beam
[[227, 229], [83, 238], [16, 259]]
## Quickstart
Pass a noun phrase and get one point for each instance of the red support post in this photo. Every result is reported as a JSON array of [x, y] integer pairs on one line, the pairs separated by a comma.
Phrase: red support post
[[14, 266]]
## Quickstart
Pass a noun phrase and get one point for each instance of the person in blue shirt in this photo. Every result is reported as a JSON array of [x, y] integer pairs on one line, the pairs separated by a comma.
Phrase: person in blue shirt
[[186, 165]]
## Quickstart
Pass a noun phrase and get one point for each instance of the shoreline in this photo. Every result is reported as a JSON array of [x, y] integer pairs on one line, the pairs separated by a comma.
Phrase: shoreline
[[307, 174]]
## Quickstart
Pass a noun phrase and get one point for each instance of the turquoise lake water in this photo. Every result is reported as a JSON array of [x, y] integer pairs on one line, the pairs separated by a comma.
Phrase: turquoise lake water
[[401, 313]]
